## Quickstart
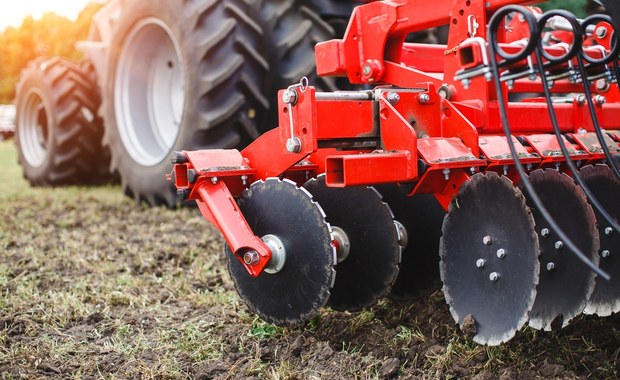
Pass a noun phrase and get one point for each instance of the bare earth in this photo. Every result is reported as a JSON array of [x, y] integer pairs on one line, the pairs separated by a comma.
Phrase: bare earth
[[93, 286]]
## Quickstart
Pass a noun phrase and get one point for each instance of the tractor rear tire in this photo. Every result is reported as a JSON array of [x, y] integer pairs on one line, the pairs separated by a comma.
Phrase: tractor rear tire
[[293, 28], [179, 76], [58, 133]]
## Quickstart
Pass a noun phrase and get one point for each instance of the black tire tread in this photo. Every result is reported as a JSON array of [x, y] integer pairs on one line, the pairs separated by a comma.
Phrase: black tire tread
[[220, 45], [75, 155]]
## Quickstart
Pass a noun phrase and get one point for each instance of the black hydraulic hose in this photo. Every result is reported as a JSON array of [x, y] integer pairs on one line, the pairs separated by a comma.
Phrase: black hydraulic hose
[[597, 127], [588, 93], [492, 33], [539, 53]]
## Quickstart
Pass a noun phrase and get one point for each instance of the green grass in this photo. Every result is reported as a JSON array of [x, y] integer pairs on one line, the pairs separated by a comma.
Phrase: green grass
[[14, 186]]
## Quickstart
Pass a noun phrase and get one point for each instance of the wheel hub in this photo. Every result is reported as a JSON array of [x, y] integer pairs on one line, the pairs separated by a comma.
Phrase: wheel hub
[[149, 92]]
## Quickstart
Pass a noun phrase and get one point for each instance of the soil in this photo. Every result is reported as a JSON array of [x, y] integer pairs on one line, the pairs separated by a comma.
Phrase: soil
[[93, 286]]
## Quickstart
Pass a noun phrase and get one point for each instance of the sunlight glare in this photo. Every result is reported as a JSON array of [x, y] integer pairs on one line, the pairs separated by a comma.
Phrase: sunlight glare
[[12, 13]]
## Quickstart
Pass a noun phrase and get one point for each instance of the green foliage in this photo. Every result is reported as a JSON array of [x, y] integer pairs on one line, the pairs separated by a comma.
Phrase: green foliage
[[577, 7], [52, 35], [262, 330]]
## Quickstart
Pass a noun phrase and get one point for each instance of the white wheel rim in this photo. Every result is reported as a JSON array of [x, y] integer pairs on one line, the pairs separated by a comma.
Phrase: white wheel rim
[[149, 92]]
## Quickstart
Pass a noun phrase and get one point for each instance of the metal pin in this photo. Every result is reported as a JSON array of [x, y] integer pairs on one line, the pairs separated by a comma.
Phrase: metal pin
[[550, 266], [244, 179], [605, 254], [559, 245], [487, 240], [480, 263], [608, 231], [494, 276], [505, 170], [544, 232], [472, 169], [214, 180]]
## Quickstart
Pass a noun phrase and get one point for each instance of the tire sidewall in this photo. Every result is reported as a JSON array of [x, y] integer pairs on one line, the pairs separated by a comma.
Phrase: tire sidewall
[[34, 79], [150, 177]]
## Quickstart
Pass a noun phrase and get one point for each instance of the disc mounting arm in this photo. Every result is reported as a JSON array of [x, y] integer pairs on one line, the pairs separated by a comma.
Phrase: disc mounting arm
[[211, 178], [218, 202]]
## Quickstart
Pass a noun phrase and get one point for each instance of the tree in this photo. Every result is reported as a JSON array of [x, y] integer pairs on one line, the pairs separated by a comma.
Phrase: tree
[[51, 35]]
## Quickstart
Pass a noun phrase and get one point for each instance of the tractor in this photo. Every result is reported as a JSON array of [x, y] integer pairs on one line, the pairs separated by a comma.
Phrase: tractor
[[165, 75]]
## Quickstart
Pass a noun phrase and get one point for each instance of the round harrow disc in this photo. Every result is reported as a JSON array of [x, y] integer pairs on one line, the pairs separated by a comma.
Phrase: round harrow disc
[[371, 267], [489, 258], [565, 283], [605, 300], [422, 216], [295, 294]]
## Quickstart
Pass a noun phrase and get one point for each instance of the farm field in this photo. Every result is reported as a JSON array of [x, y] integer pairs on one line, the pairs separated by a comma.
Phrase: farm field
[[93, 286]]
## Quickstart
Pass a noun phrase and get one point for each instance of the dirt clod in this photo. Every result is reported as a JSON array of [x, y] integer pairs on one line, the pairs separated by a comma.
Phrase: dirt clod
[[551, 370], [469, 326], [389, 368]]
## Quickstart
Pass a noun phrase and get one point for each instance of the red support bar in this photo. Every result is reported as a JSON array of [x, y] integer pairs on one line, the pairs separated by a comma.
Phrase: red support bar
[[367, 169], [218, 205]]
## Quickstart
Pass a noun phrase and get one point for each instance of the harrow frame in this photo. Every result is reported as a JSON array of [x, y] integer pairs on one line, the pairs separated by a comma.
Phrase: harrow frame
[[432, 122]]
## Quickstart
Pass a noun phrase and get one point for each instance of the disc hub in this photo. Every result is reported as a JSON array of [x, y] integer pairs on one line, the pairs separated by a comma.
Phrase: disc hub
[[278, 253], [403, 237], [343, 245]]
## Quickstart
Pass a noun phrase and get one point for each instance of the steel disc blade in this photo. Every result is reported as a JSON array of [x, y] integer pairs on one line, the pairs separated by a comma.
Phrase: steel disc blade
[[489, 258], [605, 300], [422, 216], [565, 283], [371, 266], [296, 293]]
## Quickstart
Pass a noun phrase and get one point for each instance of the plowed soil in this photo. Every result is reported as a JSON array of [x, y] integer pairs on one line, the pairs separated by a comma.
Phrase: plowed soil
[[94, 286]]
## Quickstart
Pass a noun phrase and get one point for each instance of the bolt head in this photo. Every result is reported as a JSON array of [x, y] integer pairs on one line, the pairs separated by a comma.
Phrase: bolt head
[[424, 98], [550, 266], [608, 231], [480, 263], [289, 97], [501, 253], [367, 69], [581, 99], [487, 240], [214, 180], [605, 254], [293, 145], [251, 257], [544, 232], [494, 276], [393, 97], [559, 245]]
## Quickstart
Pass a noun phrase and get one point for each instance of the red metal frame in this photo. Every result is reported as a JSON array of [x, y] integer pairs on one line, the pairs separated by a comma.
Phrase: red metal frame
[[404, 131]]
